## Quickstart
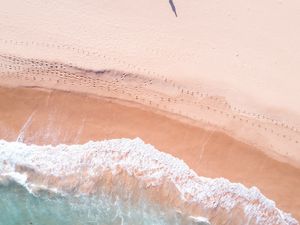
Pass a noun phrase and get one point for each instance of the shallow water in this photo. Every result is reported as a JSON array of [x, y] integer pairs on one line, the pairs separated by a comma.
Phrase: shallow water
[[20, 207]]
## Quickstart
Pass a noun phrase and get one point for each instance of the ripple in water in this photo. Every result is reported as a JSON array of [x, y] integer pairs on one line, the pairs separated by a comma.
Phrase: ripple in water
[[19, 206]]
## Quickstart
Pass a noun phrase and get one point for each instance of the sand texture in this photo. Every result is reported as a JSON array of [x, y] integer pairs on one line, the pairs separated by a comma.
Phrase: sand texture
[[278, 139]]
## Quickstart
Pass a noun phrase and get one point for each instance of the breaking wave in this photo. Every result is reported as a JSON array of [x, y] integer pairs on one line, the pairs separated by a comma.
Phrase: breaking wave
[[120, 181]]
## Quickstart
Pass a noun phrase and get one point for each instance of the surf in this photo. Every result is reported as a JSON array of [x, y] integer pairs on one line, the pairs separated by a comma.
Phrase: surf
[[135, 182]]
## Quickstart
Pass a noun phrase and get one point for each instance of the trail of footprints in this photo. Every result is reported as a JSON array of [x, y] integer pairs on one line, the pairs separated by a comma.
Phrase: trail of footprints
[[130, 86], [92, 52], [86, 52]]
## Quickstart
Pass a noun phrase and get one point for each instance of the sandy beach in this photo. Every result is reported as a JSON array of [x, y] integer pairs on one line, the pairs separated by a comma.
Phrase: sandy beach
[[239, 61], [215, 84]]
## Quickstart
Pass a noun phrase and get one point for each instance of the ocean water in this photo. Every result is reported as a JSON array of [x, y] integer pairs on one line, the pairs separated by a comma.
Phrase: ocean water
[[20, 207], [120, 181]]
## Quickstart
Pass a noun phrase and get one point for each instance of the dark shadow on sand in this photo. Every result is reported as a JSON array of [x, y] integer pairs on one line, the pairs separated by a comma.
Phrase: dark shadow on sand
[[173, 7]]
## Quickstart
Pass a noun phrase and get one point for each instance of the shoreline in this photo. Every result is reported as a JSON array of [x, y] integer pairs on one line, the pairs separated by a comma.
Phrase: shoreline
[[123, 165], [56, 112]]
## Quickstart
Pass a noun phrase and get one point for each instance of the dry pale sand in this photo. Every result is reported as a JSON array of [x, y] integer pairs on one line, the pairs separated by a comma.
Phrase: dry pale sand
[[52, 117], [246, 51]]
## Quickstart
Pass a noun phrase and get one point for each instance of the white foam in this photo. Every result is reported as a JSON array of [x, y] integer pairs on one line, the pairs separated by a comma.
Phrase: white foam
[[146, 163], [199, 220]]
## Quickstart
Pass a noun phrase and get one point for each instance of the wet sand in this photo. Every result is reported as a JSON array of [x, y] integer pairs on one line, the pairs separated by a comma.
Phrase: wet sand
[[44, 116]]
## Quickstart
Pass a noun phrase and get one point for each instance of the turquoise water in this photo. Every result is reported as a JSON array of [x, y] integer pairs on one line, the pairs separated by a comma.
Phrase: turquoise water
[[20, 207]]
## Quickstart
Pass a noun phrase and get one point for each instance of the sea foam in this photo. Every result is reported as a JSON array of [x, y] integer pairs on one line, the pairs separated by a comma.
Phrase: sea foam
[[133, 167]]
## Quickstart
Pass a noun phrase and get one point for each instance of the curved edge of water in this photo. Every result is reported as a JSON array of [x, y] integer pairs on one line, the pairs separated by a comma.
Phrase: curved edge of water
[[210, 198]]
